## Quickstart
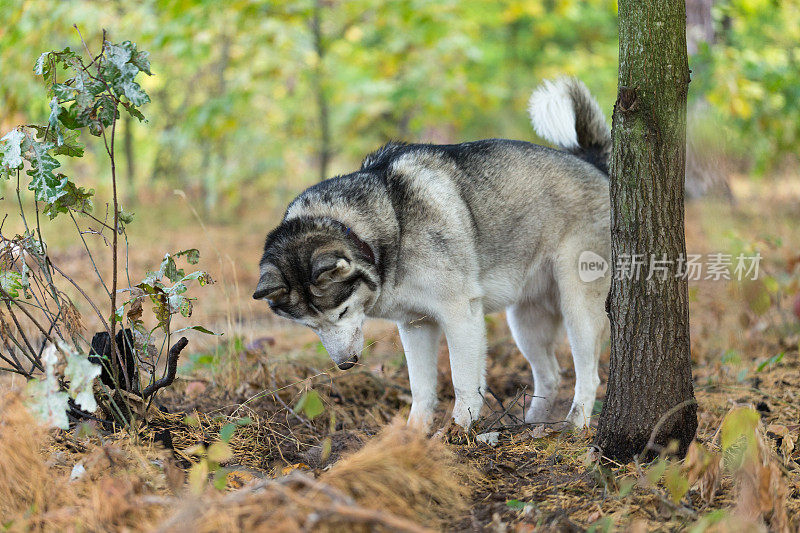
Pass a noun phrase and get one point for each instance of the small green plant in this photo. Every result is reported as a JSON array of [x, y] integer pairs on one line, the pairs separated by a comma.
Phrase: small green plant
[[40, 324], [211, 458]]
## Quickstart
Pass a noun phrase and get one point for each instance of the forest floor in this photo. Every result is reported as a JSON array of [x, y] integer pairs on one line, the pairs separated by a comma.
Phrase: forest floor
[[343, 464]]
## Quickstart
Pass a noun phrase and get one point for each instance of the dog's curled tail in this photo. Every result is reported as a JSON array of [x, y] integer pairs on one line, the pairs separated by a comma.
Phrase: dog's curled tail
[[565, 113]]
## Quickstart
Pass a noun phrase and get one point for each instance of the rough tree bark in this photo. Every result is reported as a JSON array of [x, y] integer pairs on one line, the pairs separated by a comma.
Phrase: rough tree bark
[[650, 389]]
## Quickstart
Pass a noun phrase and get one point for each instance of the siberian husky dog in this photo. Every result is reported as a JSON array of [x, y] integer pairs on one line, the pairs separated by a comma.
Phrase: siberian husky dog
[[433, 237]]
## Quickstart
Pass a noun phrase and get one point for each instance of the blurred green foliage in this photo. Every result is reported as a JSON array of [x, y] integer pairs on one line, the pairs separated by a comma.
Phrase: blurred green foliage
[[750, 76], [243, 91]]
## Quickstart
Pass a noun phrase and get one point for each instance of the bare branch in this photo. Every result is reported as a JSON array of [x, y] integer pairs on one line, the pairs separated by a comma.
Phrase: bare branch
[[172, 369]]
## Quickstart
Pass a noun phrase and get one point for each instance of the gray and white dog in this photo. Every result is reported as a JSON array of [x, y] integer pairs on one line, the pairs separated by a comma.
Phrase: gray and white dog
[[434, 237]]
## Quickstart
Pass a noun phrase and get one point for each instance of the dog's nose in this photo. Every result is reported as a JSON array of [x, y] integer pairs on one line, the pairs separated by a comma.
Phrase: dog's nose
[[350, 363]]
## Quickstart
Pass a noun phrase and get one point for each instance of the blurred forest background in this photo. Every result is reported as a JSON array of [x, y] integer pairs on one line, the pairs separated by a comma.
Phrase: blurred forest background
[[255, 100]]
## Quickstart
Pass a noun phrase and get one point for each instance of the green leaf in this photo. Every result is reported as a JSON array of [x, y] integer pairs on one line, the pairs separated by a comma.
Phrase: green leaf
[[221, 479], [48, 402], [125, 217], [106, 110], [201, 329], [63, 92], [140, 58], [55, 110], [310, 404], [48, 186], [204, 278], [170, 269], [74, 117], [192, 255], [134, 92], [11, 283], [656, 470], [227, 432], [738, 437], [515, 504], [123, 63], [81, 374], [772, 361], [42, 65], [132, 111], [69, 146], [74, 197], [180, 304], [178, 288], [676, 482], [625, 487], [12, 149]]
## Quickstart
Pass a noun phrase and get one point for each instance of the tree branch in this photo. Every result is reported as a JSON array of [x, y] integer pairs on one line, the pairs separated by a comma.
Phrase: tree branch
[[172, 369]]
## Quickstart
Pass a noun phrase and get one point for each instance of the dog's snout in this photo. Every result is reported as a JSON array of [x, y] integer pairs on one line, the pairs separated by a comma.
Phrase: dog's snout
[[350, 363]]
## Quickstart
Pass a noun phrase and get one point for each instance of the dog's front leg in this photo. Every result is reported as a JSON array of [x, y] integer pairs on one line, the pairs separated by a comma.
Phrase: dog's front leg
[[465, 330], [421, 346]]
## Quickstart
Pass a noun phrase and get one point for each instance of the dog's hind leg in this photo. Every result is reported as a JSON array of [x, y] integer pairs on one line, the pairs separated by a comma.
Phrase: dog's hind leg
[[420, 340], [534, 328], [583, 308]]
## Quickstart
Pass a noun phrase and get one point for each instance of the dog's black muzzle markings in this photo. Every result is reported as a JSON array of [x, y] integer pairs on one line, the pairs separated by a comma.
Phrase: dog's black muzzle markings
[[350, 363]]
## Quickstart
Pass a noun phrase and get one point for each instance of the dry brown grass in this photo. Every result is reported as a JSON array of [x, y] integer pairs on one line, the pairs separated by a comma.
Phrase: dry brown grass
[[405, 473], [24, 477], [399, 480], [36, 493]]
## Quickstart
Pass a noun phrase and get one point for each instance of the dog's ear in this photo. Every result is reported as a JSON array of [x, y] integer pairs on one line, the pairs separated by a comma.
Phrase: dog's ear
[[271, 285], [329, 268]]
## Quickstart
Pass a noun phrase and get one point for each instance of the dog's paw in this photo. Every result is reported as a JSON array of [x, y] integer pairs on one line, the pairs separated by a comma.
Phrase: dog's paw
[[538, 412], [452, 433], [577, 418], [465, 412], [420, 419]]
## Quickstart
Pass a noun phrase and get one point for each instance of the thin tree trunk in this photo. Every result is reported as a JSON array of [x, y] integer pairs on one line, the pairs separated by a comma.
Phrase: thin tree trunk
[[319, 92], [699, 24], [650, 393]]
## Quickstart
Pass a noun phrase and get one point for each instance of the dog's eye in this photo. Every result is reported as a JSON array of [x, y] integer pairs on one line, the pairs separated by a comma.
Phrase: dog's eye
[[343, 313]]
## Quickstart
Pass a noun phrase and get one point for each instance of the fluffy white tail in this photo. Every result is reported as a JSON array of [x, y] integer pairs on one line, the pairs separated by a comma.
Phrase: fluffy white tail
[[565, 113]]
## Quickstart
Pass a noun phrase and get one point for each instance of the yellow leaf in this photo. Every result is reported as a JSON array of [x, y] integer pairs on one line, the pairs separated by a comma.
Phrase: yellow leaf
[[286, 470], [740, 422], [198, 475], [326, 449], [778, 429], [676, 482], [787, 447], [219, 452], [197, 449]]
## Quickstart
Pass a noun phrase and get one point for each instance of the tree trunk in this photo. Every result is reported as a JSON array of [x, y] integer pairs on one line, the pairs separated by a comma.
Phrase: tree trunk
[[650, 393], [324, 151], [699, 24]]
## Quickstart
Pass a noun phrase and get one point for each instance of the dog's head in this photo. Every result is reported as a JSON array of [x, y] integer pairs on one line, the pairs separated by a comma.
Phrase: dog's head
[[320, 274]]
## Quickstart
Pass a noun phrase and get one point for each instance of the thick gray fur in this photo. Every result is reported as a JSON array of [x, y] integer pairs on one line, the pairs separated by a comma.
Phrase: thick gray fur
[[435, 236]]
